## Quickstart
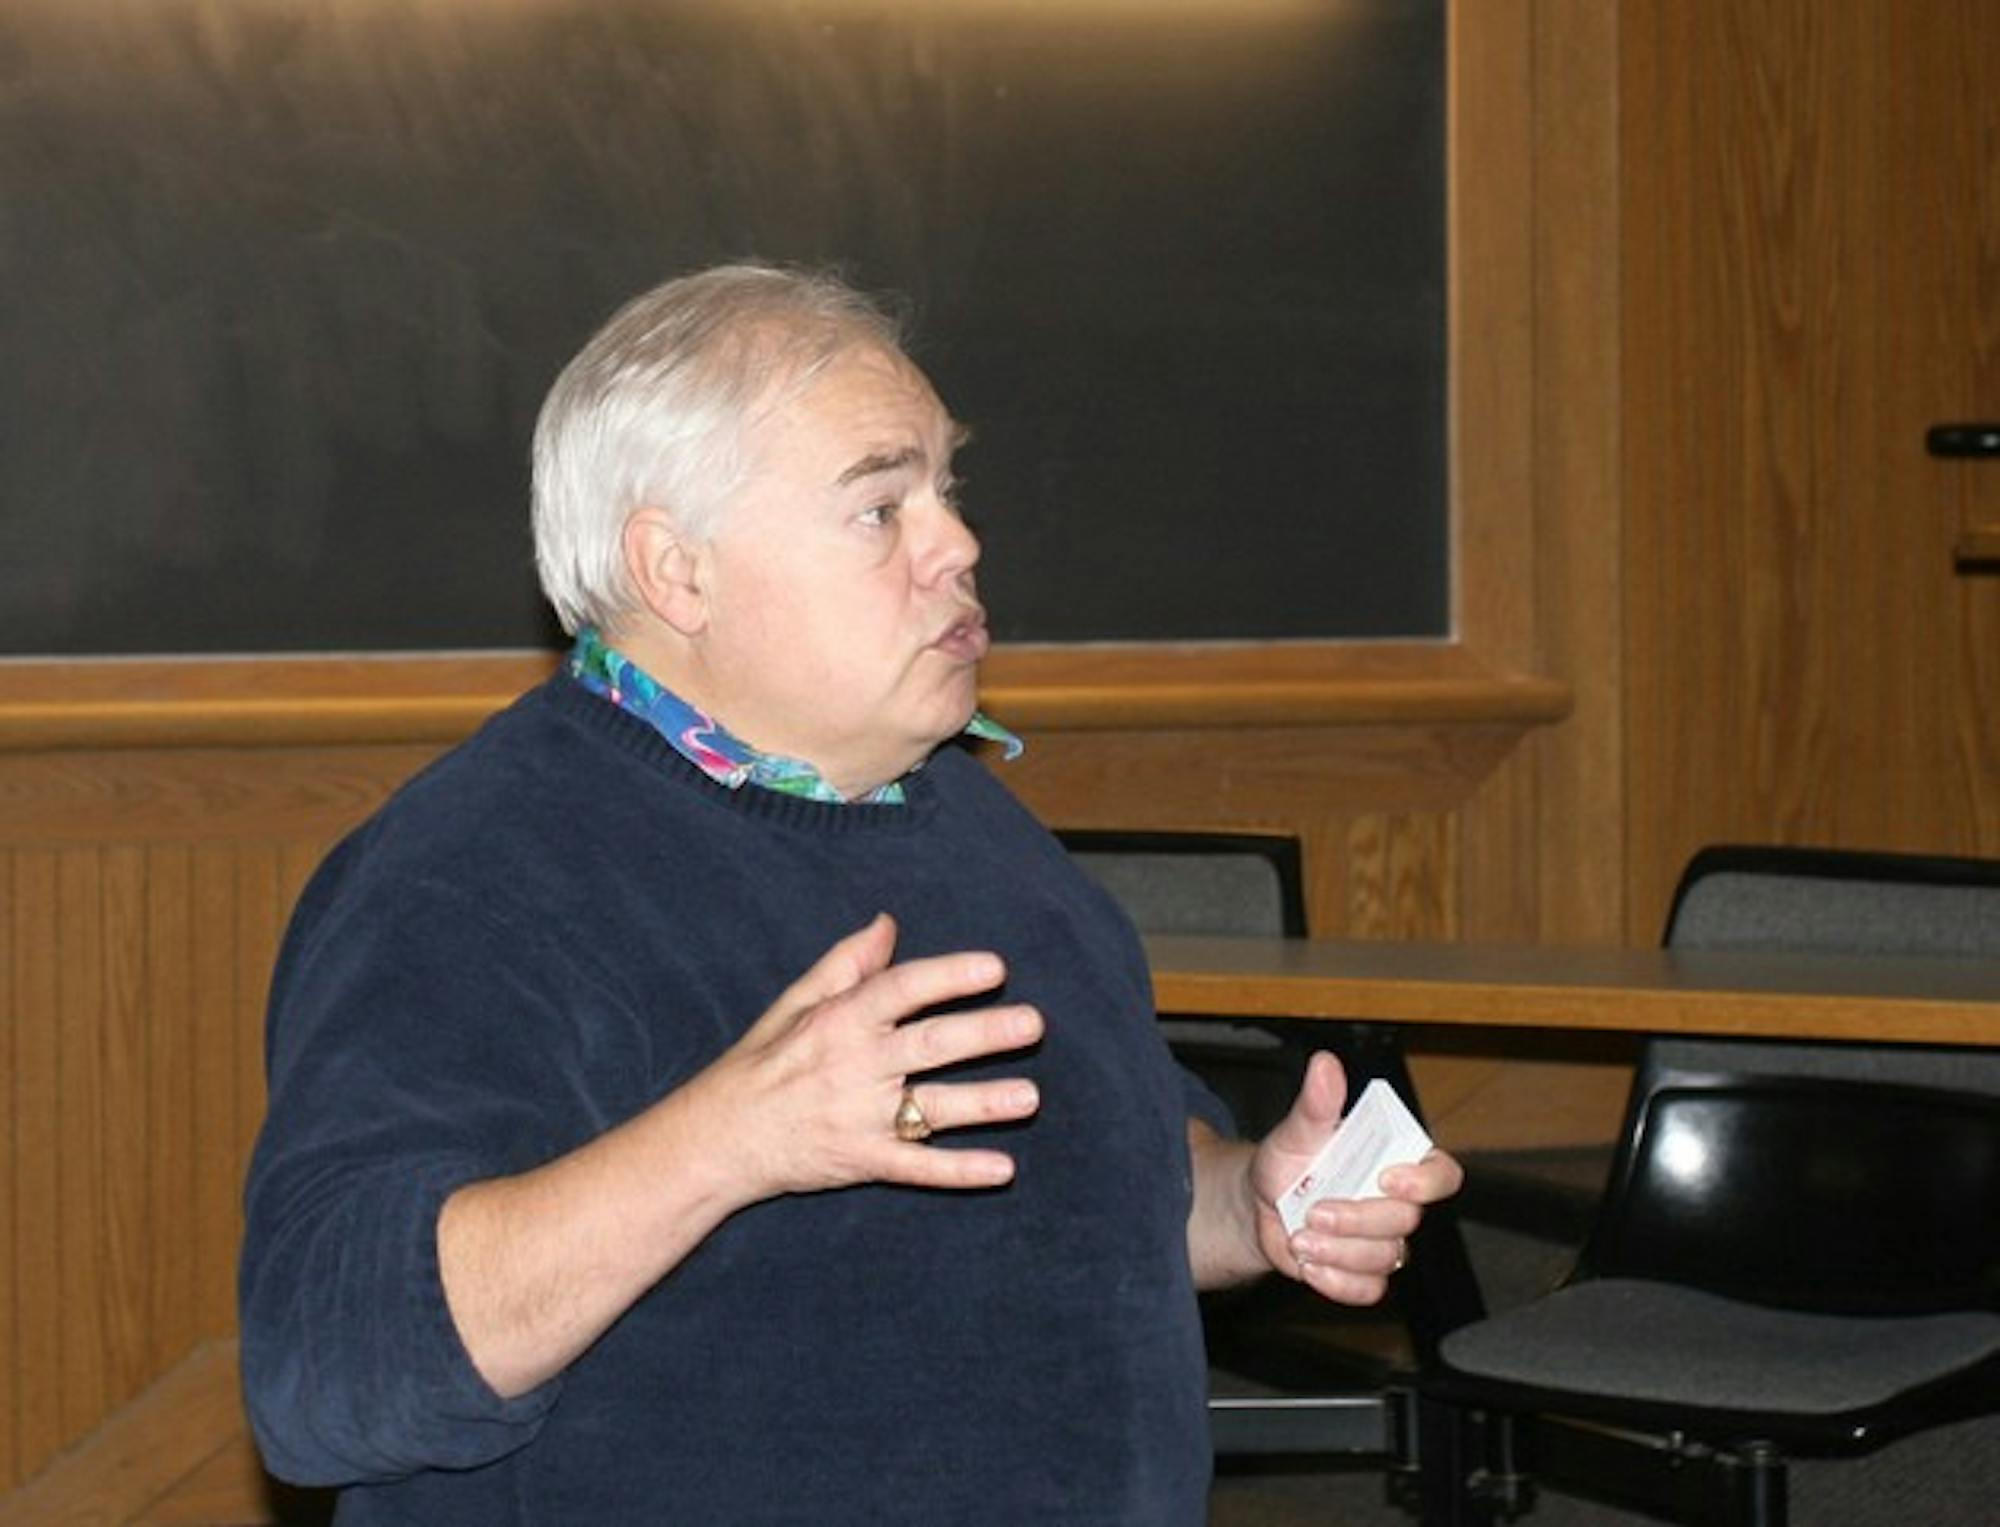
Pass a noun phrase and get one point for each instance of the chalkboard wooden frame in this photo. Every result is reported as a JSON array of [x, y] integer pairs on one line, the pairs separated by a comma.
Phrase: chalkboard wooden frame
[[53, 705], [289, 283]]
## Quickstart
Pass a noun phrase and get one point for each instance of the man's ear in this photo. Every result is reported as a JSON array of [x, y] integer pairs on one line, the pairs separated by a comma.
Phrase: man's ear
[[667, 570]]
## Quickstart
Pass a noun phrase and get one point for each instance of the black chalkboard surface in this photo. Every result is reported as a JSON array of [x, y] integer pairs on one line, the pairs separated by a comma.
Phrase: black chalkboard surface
[[281, 286]]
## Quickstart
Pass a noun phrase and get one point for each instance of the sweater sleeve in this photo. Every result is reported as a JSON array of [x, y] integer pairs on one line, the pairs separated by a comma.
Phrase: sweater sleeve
[[1204, 1103], [417, 1042]]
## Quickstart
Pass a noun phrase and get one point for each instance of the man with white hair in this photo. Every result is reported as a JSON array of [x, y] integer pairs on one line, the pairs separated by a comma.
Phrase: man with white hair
[[706, 1095]]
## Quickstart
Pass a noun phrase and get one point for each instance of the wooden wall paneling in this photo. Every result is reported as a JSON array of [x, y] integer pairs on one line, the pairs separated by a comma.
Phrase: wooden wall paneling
[[1933, 116], [1250, 774], [1978, 599], [168, 794], [1401, 876], [1980, 86], [1674, 460], [1654, 250], [1889, 375], [259, 922], [212, 1227], [1492, 426], [1977, 89], [138, 924], [142, 899], [1978, 591], [1490, 223], [1713, 171], [1535, 329], [61, 708], [126, 1233], [83, 1395], [36, 1360], [1801, 231], [1577, 496], [1375, 807], [1536, 488], [1399, 873], [1325, 871], [10, 1156], [171, 1100], [1782, 227]]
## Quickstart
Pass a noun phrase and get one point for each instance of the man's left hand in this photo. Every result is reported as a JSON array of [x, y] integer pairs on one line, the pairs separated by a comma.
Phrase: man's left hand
[[1348, 1249]]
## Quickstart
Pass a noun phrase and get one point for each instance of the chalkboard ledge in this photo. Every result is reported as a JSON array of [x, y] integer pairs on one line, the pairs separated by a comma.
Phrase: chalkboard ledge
[[57, 704], [1287, 684]]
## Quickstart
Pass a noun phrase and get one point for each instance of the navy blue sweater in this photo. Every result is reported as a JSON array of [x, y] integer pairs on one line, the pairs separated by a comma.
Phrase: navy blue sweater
[[545, 932]]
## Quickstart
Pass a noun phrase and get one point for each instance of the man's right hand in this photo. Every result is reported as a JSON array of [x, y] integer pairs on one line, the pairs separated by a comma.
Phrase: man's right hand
[[536, 1266], [810, 1093]]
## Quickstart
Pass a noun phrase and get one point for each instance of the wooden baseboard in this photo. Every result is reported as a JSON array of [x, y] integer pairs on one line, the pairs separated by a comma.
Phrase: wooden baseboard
[[178, 1456]]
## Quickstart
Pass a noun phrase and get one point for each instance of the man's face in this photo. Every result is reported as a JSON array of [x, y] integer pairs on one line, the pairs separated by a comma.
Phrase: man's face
[[842, 626]]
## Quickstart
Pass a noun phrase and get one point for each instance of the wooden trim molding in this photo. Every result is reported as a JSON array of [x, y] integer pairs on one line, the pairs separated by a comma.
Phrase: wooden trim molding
[[146, 1452], [59, 705], [1280, 684]]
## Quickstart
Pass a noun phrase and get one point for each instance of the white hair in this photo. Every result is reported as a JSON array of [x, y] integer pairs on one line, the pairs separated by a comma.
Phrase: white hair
[[653, 413]]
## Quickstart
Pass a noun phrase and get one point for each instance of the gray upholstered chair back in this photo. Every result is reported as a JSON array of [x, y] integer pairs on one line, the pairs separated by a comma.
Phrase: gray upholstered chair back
[[1224, 884], [1781, 909], [1834, 901], [1197, 883]]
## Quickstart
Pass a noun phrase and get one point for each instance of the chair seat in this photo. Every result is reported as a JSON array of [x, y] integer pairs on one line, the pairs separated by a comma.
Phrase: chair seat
[[1658, 1342]]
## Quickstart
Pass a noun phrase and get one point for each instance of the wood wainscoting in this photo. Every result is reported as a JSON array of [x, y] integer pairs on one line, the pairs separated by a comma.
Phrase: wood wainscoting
[[157, 819]]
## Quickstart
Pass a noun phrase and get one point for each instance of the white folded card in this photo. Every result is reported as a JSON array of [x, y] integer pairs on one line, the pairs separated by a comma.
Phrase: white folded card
[[1379, 1132]]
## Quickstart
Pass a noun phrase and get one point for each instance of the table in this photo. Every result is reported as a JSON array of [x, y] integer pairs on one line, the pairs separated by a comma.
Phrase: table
[[1878, 998], [1373, 989]]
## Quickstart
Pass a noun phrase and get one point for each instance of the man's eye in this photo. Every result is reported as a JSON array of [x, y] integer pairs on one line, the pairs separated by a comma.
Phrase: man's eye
[[951, 493], [878, 515]]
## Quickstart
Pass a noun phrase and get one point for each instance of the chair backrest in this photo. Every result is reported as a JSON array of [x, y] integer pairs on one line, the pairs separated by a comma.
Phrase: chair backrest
[[1197, 882], [1225, 883], [1845, 1178], [1837, 901]]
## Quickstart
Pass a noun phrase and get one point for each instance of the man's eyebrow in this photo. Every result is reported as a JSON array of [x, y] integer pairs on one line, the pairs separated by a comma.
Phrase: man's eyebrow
[[878, 463]]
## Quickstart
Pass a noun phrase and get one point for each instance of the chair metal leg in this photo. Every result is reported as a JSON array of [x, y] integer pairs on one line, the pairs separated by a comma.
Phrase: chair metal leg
[[1673, 1478], [1451, 1460], [1747, 1487]]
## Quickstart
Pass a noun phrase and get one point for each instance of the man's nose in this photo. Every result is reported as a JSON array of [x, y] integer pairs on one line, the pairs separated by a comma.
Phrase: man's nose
[[951, 548]]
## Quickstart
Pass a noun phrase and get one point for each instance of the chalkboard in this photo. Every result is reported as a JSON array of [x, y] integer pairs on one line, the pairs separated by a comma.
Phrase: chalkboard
[[282, 285]]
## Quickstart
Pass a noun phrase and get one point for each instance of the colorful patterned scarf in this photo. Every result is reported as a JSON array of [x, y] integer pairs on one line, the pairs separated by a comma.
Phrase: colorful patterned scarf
[[709, 746]]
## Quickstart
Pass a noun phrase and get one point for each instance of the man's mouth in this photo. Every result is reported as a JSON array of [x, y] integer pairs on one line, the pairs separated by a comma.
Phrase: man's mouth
[[965, 639]]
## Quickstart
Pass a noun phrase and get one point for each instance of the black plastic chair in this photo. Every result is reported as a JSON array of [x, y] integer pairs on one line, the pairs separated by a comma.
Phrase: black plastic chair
[[1798, 1253]]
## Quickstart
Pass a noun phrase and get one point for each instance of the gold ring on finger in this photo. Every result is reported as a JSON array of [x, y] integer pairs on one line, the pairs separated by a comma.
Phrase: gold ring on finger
[[911, 1125]]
